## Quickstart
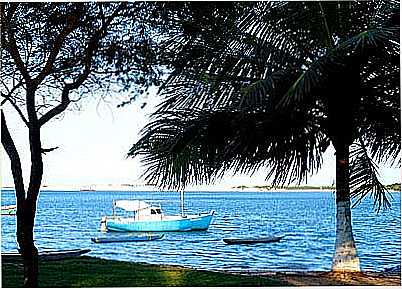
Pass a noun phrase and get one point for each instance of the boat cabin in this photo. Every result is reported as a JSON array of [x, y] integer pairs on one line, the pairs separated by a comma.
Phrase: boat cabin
[[150, 213], [142, 210]]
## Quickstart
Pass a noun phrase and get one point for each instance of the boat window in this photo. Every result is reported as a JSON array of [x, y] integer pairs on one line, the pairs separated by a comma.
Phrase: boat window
[[153, 212], [159, 211]]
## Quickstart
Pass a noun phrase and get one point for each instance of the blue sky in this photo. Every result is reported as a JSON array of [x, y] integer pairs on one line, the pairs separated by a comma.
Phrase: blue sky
[[93, 143]]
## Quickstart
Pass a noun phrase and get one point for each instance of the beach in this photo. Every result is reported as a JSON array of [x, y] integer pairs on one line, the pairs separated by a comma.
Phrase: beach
[[334, 279]]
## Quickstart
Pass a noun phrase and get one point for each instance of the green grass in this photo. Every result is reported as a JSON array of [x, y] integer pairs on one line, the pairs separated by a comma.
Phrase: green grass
[[94, 272]]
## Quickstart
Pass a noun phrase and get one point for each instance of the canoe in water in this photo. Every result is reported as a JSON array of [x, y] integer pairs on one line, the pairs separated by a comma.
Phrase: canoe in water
[[126, 238], [46, 255], [252, 240]]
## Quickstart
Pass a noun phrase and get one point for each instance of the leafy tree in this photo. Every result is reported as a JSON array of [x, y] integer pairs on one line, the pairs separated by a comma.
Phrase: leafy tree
[[394, 187], [293, 78], [53, 55]]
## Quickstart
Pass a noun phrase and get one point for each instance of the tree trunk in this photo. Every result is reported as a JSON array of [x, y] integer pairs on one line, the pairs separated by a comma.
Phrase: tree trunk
[[25, 228], [343, 92], [26, 207], [345, 258]]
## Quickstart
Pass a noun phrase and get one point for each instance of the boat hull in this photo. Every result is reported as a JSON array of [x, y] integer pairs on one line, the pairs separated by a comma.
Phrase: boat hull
[[126, 225], [252, 240], [46, 255], [201, 222], [198, 222], [127, 238]]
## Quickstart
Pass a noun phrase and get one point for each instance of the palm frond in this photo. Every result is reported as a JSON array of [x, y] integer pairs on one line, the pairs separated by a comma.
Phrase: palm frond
[[170, 151], [259, 98], [196, 146], [379, 42], [364, 179], [379, 117]]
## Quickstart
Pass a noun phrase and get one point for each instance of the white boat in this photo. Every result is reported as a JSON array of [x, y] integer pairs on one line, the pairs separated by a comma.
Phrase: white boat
[[148, 218]]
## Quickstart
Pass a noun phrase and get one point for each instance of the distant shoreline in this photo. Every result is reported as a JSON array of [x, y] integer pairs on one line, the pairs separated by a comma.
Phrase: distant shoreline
[[203, 190], [155, 189]]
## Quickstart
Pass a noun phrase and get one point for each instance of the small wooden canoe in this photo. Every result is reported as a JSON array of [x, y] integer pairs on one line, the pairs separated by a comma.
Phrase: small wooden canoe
[[134, 238], [252, 240], [46, 255]]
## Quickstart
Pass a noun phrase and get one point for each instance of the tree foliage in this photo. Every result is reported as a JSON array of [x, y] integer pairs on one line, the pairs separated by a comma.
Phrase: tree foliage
[[54, 55], [290, 79], [102, 47]]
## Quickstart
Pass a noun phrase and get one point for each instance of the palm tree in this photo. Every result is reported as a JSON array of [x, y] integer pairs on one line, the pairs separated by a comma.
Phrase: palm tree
[[291, 80]]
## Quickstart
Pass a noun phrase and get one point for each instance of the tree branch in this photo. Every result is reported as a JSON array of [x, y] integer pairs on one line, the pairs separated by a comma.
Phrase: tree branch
[[93, 44], [11, 43], [65, 101], [65, 98], [44, 151], [7, 97], [11, 150], [22, 116], [58, 43], [10, 92]]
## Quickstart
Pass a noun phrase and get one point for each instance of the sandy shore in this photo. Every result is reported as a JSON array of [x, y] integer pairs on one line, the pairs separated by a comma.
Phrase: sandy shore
[[332, 279]]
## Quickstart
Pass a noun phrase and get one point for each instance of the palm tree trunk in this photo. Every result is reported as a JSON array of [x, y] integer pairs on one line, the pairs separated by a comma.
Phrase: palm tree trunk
[[345, 258]]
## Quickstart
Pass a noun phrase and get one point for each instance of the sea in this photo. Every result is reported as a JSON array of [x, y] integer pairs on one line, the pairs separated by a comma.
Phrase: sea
[[306, 220]]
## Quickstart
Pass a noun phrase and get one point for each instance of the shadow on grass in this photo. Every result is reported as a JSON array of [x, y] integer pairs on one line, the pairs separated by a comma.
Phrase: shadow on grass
[[94, 272]]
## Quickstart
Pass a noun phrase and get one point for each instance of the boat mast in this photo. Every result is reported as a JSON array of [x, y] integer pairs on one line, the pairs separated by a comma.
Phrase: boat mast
[[182, 202]]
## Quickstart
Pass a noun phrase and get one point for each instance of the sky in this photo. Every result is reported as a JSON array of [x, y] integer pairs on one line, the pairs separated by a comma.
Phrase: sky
[[93, 143]]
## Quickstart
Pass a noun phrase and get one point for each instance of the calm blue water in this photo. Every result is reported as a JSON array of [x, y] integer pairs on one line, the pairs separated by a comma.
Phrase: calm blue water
[[67, 220]]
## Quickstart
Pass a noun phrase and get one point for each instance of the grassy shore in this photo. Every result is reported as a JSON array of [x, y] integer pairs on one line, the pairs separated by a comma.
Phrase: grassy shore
[[93, 272]]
